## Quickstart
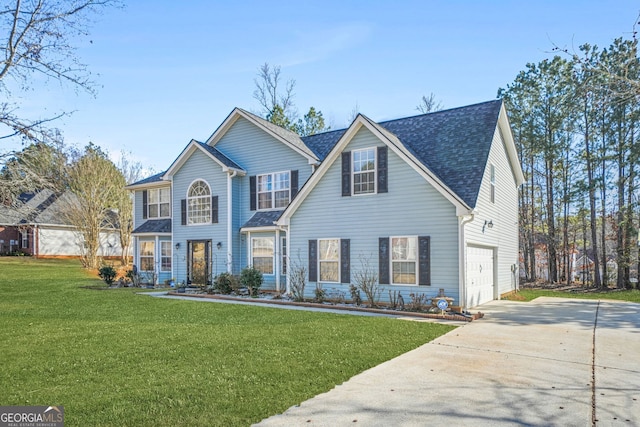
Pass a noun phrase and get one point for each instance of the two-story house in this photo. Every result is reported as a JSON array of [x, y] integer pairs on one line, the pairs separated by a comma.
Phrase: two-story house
[[426, 203]]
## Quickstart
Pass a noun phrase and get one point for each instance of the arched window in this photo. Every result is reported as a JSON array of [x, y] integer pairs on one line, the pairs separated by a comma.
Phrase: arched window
[[199, 203]]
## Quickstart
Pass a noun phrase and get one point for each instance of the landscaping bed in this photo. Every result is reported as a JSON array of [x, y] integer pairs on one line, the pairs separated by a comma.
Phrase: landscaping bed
[[268, 299]]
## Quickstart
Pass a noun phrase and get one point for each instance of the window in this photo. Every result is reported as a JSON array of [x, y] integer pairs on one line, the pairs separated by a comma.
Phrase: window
[[262, 254], [159, 203], [165, 256], [329, 260], [364, 171], [147, 250], [493, 184], [283, 251], [199, 203], [273, 190], [25, 239], [404, 252]]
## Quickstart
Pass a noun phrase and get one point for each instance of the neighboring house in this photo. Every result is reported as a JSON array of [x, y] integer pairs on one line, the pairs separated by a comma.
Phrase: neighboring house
[[36, 226], [424, 203]]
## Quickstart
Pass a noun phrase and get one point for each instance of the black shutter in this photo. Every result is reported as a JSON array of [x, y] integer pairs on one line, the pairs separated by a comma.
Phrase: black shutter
[[214, 209], [183, 211], [383, 260], [252, 193], [144, 204], [345, 261], [346, 173], [382, 169], [294, 183], [313, 260], [424, 260]]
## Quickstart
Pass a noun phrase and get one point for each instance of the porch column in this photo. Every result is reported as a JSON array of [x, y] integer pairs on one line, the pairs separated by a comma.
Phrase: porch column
[[276, 252]]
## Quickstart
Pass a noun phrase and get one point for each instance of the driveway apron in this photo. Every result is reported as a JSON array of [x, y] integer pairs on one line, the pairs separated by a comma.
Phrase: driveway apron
[[551, 362]]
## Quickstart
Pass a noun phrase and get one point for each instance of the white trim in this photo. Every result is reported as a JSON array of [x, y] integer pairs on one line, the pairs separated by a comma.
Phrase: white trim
[[273, 191], [389, 140], [353, 172], [230, 177], [237, 113], [187, 153], [164, 187], [512, 152], [273, 256], [416, 261], [337, 261], [189, 224]]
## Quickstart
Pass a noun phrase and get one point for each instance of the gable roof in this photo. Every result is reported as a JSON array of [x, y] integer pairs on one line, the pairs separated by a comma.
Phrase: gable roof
[[213, 153], [262, 219], [154, 226], [289, 138], [450, 148]]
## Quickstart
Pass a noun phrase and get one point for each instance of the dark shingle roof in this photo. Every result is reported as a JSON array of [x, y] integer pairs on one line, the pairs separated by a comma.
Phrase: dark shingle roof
[[153, 178], [155, 226], [263, 219], [322, 143], [454, 144], [218, 155]]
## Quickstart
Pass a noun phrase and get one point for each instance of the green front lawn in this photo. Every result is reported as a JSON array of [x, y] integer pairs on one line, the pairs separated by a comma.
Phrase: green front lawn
[[112, 357]]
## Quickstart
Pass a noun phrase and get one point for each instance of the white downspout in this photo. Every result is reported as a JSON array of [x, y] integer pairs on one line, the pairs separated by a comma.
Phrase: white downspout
[[276, 249], [462, 260], [230, 221]]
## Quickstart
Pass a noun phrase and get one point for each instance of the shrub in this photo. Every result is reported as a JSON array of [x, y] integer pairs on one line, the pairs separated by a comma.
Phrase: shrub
[[355, 295], [108, 274], [226, 283], [297, 280], [252, 279], [366, 280], [320, 293], [418, 302]]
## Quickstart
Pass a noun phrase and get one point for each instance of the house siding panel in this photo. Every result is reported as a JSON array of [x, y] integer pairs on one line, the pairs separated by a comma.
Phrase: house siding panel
[[411, 208], [503, 237], [199, 166]]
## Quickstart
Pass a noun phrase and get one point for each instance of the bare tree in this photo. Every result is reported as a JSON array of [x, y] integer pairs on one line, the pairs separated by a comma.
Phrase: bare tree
[[131, 172], [96, 185], [429, 104], [37, 42], [270, 94]]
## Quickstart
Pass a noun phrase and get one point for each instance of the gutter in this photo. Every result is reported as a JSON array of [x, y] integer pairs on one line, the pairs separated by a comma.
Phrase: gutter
[[230, 219]]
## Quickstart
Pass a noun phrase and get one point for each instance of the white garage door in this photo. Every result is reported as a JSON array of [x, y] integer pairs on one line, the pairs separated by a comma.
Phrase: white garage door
[[479, 275]]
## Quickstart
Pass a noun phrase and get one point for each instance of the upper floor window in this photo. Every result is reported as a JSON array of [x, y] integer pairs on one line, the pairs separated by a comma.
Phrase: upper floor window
[[364, 171], [199, 203], [159, 203], [274, 190], [493, 184]]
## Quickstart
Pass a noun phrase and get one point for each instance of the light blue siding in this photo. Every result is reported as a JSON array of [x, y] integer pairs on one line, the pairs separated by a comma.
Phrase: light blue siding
[[412, 207], [199, 166]]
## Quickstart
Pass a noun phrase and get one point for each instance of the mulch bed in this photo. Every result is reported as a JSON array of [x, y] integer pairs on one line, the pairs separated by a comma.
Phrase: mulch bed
[[446, 316]]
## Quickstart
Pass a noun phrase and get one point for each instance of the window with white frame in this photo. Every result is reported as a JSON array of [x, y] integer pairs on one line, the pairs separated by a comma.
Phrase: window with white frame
[[165, 256], [404, 256], [262, 251], [283, 252], [364, 171], [147, 255], [199, 203], [274, 190], [25, 239], [329, 260], [493, 184], [159, 203]]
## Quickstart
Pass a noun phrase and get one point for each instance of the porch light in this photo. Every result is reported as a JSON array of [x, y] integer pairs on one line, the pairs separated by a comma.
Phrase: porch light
[[177, 246], [219, 245]]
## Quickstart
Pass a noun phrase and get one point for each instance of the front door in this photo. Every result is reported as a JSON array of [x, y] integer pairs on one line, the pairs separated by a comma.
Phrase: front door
[[199, 262]]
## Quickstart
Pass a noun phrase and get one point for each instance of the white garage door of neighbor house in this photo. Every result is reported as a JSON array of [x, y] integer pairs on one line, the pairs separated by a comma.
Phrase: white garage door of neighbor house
[[479, 275]]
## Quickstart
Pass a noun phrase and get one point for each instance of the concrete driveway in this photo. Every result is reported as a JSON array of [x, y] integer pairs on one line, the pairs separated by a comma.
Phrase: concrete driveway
[[551, 362]]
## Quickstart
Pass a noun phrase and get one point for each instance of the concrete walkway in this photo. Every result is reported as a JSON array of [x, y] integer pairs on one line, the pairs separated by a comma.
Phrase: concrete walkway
[[552, 362]]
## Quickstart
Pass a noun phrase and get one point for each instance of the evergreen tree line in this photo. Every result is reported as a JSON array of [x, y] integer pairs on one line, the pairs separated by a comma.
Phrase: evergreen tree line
[[574, 119]]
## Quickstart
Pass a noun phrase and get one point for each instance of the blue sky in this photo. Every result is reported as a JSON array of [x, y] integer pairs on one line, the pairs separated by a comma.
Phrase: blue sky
[[170, 71]]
